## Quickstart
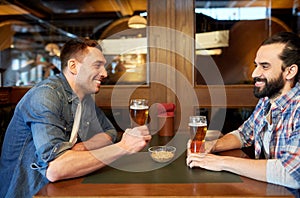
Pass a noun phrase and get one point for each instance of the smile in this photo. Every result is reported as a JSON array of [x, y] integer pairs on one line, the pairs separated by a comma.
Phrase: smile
[[259, 83], [98, 81]]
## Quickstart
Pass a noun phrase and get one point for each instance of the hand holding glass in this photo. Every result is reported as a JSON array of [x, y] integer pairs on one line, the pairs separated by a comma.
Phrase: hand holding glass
[[198, 128], [139, 110]]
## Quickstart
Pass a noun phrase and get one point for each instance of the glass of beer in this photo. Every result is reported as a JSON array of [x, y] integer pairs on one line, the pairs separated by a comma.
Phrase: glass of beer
[[198, 128], [139, 111]]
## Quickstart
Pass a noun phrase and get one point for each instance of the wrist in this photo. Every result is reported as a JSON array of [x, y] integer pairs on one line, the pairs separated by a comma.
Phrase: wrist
[[125, 150], [225, 163], [216, 147]]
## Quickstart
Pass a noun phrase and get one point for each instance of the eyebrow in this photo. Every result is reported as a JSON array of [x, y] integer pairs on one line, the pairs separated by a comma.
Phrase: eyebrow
[[99, 62], [262, 63]]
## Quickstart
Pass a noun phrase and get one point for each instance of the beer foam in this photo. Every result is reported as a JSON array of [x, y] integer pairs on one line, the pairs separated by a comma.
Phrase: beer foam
[[197, 124], [139, 107]]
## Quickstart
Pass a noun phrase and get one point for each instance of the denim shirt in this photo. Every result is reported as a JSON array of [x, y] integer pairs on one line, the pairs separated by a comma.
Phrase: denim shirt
[[40, 131]]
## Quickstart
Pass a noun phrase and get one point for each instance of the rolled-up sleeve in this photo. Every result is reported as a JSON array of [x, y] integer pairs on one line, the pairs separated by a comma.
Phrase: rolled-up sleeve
[[277, 174]]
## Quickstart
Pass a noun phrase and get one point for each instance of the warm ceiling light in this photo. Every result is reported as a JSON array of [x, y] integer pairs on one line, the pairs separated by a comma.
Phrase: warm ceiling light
[[137, 22]]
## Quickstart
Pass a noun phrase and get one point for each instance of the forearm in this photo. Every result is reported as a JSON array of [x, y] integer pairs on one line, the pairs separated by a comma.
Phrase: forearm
[[97, 141], [255, 169], [79, 163], [75, 163], [227, 142], [270, 171]]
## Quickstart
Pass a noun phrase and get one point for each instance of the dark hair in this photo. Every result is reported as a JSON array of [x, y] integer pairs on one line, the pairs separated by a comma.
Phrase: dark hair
[[291, 52], [76, 48]]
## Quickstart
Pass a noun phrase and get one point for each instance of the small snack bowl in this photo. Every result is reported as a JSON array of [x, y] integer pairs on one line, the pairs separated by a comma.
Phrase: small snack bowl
[[162, 154]]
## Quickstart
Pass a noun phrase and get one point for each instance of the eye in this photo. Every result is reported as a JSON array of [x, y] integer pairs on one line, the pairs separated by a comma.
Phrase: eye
[[98, 64], [264, 66]]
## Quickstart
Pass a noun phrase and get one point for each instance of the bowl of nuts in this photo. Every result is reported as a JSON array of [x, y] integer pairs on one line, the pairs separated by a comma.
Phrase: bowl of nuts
[[162, 154]]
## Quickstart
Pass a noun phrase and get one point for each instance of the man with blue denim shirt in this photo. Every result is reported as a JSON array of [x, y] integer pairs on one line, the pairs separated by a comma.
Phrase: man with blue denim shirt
[[274, 126], [37, 147]]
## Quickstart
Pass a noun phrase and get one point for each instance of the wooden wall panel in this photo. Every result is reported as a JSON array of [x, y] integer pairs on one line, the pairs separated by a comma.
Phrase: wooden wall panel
[[171, 52], [235, 96]]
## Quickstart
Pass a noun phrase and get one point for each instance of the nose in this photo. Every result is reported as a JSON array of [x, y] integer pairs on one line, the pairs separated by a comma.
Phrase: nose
[[103, 72], [257, 72]]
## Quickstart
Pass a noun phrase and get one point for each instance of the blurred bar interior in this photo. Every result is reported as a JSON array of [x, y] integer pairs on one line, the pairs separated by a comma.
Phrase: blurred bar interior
[[226, 32]]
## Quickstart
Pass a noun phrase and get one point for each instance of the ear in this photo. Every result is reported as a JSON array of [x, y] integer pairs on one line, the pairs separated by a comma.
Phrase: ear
[[291, 71], [72, 66]]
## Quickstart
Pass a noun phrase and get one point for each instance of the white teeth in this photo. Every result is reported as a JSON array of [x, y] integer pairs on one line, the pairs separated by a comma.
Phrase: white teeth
[[259, 83], [98, 81]]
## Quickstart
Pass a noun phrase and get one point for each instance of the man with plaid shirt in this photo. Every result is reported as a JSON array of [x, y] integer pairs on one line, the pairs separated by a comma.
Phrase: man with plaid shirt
[[274, 126]]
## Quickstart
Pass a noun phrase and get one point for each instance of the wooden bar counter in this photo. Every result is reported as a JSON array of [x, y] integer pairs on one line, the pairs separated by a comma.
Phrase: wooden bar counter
[[170, 180]]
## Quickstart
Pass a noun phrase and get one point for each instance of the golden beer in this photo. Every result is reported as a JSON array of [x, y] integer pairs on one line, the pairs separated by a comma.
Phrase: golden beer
[[198, 128], [139, 111], [198, 141]]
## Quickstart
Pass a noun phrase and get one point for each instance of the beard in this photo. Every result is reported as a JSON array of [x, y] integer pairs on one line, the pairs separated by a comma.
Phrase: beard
[[272, 88]]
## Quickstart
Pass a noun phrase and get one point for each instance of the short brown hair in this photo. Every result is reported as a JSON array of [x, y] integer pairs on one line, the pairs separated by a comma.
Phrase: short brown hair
[[76, 48]]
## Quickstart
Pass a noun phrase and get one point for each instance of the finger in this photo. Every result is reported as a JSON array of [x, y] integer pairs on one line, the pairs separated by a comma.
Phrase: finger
[[145, 131], [195, 159], [147, 138], [133, 132], [188, 144], [142, 130], [188, 151], [193, 164], [197, 155], [190, 158], [187, 161]]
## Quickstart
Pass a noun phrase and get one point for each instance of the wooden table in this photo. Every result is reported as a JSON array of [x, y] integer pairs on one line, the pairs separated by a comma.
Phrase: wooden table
[[245, 187]]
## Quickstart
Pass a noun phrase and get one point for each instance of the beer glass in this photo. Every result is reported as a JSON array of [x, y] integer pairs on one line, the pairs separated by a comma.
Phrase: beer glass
[[198, 128], [139, 110]]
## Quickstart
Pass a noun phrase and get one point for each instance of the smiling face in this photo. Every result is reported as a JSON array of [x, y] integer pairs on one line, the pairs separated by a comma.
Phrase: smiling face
[[90, 72], [268, 76]]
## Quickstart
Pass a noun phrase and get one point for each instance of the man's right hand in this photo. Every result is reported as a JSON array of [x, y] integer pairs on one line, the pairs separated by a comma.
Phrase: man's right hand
[[134, 140]]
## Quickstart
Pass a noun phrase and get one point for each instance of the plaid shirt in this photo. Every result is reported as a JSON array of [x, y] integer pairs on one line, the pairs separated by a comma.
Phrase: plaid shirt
[[285, 130]]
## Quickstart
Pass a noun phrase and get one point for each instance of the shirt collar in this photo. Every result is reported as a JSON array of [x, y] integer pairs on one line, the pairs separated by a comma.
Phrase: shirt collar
[[284, 100], [71, 95]]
